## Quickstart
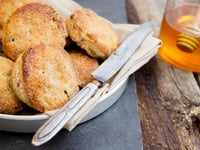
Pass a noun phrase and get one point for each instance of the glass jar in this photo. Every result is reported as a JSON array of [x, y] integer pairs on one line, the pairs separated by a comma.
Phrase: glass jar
[[179, 16]]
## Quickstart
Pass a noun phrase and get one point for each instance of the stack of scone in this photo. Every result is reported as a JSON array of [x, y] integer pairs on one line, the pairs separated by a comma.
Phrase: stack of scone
[[39, 67]]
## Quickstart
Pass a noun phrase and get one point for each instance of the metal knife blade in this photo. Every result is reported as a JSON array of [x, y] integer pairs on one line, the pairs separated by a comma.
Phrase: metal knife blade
[[113, 63], [103, 73]]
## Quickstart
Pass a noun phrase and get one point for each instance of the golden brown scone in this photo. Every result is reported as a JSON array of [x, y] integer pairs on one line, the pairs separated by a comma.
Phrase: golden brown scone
[[31, 24], [84, 65], [8, 7], [92, 33], [44, 78], [9, 103]]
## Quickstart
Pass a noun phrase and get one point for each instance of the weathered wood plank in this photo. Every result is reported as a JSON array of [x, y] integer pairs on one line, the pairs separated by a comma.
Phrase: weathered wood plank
[[169, 98], [139, 11]]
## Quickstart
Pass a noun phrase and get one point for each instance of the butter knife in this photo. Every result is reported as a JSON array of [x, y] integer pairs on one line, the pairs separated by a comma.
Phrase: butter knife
[[102, 74]]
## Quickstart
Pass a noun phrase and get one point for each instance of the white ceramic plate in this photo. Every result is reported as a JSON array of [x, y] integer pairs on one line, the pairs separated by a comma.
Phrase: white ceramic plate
[[30, 123]]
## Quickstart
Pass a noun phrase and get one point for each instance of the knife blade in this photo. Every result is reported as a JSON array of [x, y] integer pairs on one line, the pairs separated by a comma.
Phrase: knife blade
[[102, 74]]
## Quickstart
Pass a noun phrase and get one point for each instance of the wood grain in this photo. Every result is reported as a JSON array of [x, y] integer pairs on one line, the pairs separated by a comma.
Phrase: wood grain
[[169, 98]]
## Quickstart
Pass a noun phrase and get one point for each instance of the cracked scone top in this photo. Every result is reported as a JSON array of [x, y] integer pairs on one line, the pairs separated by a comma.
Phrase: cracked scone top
[[8, 7], [92, 33], [30, 25], [44, 77]]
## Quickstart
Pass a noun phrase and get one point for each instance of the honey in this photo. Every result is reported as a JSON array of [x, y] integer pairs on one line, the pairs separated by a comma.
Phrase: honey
[[173, 22]]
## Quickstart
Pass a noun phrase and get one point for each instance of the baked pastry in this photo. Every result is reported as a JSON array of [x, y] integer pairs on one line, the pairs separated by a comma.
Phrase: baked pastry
[[30, 25], [8, 7], [9, 103], [44, 77], [92, 33], [84, 65]]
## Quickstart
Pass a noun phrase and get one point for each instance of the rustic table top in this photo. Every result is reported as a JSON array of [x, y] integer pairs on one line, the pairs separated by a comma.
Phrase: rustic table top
[[169, 98]]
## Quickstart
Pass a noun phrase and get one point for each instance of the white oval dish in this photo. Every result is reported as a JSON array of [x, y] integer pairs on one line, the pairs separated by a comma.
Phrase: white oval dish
[[30, 123]]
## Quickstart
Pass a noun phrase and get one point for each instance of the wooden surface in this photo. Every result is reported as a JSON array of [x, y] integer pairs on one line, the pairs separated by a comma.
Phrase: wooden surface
[[169, 98]]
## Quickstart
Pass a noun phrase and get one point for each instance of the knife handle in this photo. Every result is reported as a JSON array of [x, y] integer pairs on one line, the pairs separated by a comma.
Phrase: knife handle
[[52, 126]]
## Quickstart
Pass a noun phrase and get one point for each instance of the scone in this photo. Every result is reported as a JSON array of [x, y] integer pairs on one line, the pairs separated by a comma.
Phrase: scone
[[44, 77], [9, 103], [84, 65], [8, 7], [30, 25], [92, 33]]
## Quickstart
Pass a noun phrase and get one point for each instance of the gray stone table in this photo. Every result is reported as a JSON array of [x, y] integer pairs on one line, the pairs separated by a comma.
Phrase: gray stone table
[[118, 128]]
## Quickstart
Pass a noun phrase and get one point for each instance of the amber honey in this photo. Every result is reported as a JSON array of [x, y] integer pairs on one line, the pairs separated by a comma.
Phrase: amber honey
[[173, 22]]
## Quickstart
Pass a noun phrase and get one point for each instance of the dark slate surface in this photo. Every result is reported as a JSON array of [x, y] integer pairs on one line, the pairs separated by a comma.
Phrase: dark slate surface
[[118, 128], [113, 10]]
